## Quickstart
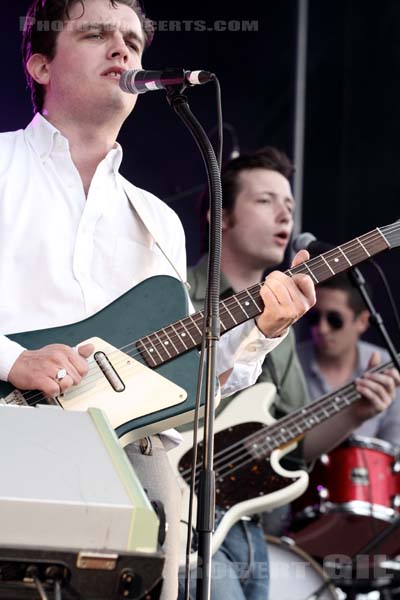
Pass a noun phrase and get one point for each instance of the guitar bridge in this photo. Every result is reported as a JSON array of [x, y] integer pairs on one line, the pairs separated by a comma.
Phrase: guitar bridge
[[16, 398], [109, 372]]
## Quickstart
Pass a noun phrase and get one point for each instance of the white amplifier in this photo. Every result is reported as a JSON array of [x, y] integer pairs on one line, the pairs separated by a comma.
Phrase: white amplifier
[[65, 482]]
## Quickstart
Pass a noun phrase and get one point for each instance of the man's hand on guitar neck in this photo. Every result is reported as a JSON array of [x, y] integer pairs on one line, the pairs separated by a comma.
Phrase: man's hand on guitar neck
[[38, 369], [286, 299]]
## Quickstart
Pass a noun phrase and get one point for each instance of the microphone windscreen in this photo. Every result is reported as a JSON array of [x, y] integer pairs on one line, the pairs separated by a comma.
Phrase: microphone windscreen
[[302, 241]]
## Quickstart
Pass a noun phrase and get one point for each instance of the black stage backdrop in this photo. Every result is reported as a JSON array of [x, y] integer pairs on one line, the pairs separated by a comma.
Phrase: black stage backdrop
[[352, 156]]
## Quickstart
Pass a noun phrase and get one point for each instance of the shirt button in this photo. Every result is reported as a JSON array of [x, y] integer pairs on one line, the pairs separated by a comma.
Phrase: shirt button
[[252, 348]]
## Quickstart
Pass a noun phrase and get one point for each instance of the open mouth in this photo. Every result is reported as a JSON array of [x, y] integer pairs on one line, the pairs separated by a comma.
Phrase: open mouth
[[113, 73], [281, 237]]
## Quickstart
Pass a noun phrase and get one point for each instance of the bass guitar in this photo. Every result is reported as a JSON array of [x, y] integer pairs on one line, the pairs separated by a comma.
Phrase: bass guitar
[[249, 445]]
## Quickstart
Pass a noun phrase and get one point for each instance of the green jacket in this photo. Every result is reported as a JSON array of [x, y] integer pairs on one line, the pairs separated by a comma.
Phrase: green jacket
[[281, 366]]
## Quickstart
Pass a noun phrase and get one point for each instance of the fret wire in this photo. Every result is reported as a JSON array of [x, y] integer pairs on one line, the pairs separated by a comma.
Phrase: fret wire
[[311, 272], [345, 256], [162, 345], [229, 313], [180, 338], [167, 343], [241, 307], [252, 299], [328, 265], [194, 322], [187, 331], [171, 339], [363, 246], [154, 348]]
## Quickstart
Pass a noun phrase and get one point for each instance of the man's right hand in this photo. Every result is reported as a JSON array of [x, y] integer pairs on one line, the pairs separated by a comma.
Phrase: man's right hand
[[37, 369]]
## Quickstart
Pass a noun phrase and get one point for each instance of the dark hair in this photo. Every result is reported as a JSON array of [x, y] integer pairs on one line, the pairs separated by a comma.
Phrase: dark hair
[[343, 282], [265, 158], [42, 39]]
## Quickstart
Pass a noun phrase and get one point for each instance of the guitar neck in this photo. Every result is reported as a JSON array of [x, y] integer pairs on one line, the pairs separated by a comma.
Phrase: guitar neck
[[184, 335], [295, 425]]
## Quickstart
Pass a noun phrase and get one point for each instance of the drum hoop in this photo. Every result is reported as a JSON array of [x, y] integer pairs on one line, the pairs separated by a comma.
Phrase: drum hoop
[[360, 441], [355, 507], [290, 544]]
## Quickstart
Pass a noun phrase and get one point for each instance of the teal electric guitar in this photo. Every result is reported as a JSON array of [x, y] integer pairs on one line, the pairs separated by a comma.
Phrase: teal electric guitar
[[143, 372]]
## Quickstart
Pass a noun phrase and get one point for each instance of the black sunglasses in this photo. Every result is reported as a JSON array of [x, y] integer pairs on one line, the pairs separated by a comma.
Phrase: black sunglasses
[[334, 319]]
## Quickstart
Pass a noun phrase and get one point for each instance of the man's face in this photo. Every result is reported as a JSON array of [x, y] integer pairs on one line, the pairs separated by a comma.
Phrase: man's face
[[91, 52], [259, 227], [330, 310]]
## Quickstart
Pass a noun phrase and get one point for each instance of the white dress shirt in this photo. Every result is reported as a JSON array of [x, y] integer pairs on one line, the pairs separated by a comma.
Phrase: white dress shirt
[[65, 256]]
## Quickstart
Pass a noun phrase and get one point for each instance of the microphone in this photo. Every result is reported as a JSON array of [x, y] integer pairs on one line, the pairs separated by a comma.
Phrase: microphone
[[309, 242], [138, 81]]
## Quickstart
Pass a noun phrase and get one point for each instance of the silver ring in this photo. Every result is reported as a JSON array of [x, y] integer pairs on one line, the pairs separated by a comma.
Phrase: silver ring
[[61, 373]]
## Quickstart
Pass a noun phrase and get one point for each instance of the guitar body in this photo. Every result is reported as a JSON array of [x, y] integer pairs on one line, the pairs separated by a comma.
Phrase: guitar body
[[257, 483], [151, 305]]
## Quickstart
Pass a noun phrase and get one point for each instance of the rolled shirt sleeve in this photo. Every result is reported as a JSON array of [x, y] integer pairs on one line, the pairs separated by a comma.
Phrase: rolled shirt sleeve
[[243, 349]]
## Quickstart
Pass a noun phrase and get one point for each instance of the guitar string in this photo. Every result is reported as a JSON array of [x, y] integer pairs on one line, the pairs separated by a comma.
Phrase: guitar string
[[225, 307], [316, 410], [250, 459], [266, 438], [320, 415]]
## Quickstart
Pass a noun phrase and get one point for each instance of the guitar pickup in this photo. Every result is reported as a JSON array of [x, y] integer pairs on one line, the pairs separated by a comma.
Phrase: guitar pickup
[[109, 371]]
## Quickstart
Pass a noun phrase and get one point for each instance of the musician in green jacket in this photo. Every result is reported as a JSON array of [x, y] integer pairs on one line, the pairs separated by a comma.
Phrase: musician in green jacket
[[258, 209]]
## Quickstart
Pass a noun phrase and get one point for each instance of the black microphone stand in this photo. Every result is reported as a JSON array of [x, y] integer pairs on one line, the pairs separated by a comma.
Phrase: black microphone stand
[[358, 281], [206, 491]]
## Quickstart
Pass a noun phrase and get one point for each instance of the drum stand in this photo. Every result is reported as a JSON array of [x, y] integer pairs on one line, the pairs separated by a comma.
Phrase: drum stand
[[389, 575]]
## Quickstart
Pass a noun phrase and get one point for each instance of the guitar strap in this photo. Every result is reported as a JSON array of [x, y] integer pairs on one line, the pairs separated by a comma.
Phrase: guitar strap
[[139, 203]]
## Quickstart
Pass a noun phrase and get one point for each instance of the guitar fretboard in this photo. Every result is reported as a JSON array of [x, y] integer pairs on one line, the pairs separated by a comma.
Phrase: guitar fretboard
[[186, 334], [294, 425]]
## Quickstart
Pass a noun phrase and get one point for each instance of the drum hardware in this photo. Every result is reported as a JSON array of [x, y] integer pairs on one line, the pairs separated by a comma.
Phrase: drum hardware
[[294, 575], [353, 495], [396, 465], [323, 492], [324, 459], [380, 537], [360, 476]]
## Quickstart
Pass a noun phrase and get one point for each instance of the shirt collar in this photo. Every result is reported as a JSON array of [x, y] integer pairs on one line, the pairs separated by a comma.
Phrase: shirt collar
[[46, 139], [309, 358]]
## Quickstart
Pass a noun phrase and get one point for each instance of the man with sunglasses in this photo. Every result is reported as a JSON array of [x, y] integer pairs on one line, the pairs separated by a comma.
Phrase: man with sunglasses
[[335, 354]]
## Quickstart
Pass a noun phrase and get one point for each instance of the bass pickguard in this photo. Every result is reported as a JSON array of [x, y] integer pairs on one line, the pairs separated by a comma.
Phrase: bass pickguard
[[259, 483], [255, 478]]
